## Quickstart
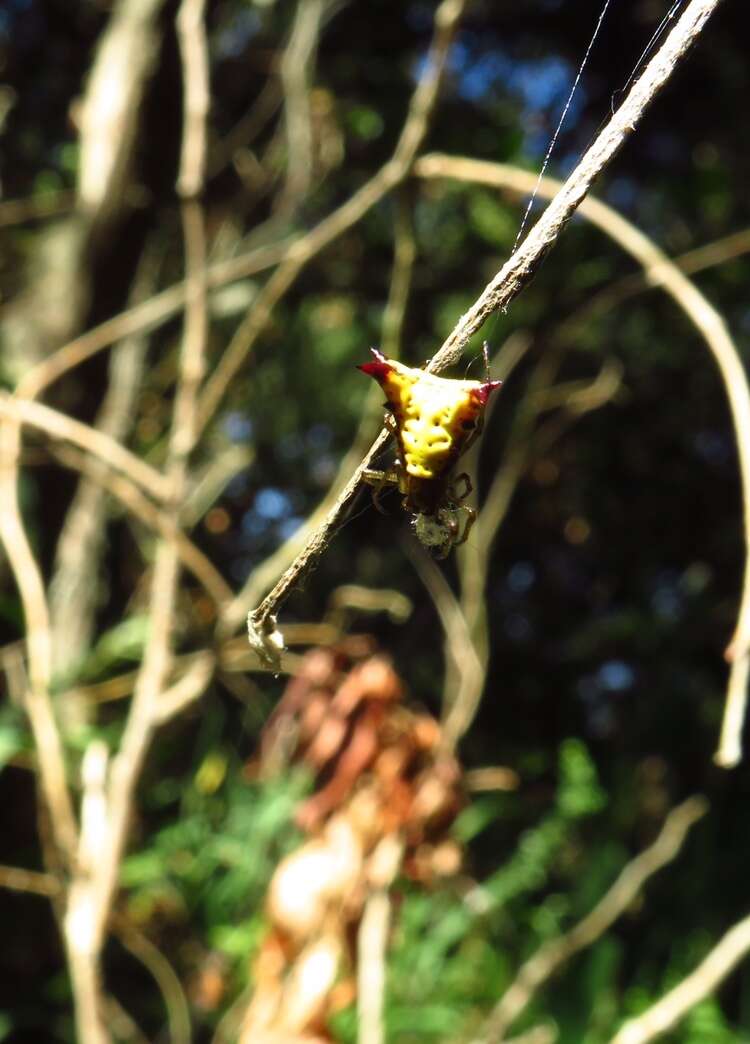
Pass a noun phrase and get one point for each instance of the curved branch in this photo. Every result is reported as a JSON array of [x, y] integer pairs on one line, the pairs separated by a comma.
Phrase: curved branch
[[97, 443], [163, 974], [660, 271], [37, 697]]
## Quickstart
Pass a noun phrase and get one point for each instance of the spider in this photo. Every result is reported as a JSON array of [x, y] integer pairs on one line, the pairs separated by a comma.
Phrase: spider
[[435, 420]]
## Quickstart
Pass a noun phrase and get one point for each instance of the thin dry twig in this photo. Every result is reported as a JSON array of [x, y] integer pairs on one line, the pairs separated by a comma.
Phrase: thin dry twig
[[17, 879], [186, 689], [372, 941], [230, 658], [35, 208], [145, 317], [528, 440], [247, 128], [524, 263], [75, 588], [465, 670], [537, 1035], [79, 922], [197, 97], [372, 946], [268, 572], [402, 271], [460, 703], [37, 699], [552, 955], [111, 108], [260, 622], [209, 481], [716, 252], [673, 1006], [106, 449], [497, 295], [164, 975]]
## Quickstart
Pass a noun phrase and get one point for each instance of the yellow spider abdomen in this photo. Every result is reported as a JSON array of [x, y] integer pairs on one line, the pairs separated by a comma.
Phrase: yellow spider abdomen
[[435, 416]]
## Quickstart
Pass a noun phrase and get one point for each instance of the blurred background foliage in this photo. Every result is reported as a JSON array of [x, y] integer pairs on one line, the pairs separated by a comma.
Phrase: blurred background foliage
[[614, 580]]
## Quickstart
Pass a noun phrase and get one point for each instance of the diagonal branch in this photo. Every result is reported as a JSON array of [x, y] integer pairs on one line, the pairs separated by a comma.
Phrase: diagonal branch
[[673, 1006], [268, 572], [524, 263], [145, 317], [552, 955], [511, 279]]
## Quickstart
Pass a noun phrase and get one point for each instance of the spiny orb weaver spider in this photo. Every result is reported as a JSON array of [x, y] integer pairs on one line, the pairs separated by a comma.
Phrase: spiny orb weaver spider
[[435, 420]]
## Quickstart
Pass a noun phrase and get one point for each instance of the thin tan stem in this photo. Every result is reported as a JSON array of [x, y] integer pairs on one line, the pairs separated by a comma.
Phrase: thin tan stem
[[97, 443], [552, 955], [186, 689], [79, 923], [523, 265], [701, 258], [372, 944], [709, 974], [32, 882], [536, 1035], [404, 256], [465, 669], [38, 703], [461, 696], [194, 48], [75, 588], [157, 661], [35, 208], [164, 975], [297, 65], [145, 317], [372, 941]]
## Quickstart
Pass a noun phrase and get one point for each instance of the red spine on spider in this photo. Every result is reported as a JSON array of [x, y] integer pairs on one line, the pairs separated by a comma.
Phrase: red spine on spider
[[435, 420]]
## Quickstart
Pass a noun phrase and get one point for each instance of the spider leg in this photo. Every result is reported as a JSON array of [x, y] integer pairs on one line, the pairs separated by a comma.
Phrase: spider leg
[[468, 488], [471, 517], [379, 480]]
